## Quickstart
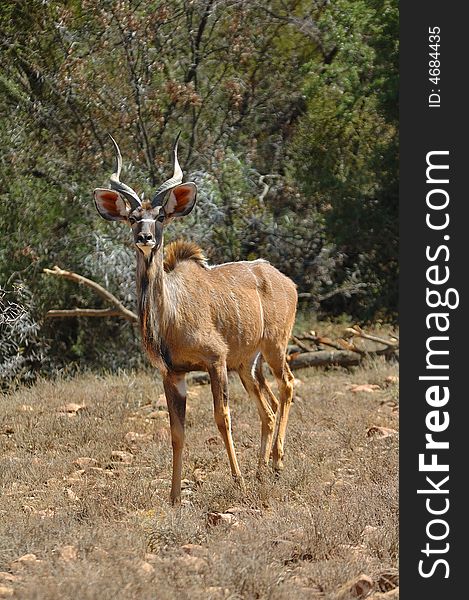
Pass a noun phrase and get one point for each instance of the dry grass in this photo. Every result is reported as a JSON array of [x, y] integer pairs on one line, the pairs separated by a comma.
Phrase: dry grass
[[106, 530]]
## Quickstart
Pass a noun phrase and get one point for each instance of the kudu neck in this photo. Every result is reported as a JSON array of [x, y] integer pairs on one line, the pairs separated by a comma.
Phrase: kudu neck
[[150, 282], [151, 306]]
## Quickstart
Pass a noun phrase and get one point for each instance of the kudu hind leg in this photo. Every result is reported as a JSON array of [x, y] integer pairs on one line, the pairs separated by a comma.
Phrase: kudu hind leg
[[285, 380], [175, 391], [219, 385], [257, 388], [265, 387]]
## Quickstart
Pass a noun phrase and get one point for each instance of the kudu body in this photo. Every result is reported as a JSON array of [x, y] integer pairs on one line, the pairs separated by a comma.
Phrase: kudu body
[[199, 317]]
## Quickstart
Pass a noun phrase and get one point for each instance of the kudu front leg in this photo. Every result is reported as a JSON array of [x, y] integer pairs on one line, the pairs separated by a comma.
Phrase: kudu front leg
[[175, 391], [219, 385]]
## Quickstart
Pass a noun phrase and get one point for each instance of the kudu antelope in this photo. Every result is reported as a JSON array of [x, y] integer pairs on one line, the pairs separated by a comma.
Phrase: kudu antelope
[[199, 317]]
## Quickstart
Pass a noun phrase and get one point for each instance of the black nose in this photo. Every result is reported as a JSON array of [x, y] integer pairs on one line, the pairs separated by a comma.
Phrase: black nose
[[144, 238]]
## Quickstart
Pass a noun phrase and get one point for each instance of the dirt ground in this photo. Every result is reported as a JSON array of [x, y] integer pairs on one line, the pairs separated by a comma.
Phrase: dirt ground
[[85, 475]]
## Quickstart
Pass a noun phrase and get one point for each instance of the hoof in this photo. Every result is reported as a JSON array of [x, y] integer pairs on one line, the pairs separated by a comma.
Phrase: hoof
[[262, 471], [239, 482], [278, 466], [175, 501]]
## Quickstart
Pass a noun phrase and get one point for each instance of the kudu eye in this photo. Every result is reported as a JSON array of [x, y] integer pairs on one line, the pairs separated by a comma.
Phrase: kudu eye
[[132, 220], [160, 218]]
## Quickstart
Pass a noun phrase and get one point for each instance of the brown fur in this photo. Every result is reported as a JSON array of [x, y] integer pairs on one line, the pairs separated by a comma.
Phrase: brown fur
[[218, 318], [180, 250]]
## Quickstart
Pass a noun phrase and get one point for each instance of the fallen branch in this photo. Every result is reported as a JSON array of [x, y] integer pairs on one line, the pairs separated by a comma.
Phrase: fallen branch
[[358, 331], [325, 341], [323, 358], [119, 309], [298, 360], [391, 346], [300, 344], [84, 312]]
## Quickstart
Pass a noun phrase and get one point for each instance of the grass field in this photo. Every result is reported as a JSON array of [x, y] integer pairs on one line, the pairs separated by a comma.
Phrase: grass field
[[85, 492]]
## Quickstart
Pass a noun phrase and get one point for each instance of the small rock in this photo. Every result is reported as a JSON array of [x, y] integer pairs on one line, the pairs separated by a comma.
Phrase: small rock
[[84, 462], [376, 431], [216, 592], [68, 553], [191, 563], [72, 408], [6, 592], [133, 438], [364, 387], [371, 534], [359, 587], [216, 518], [26, 408], [25, 562], [71, 494], [391, 379], [144, 568], [9, 577], [122, 456]]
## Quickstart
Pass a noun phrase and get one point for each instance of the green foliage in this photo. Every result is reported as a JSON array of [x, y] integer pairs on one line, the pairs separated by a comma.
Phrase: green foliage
[[345, 148], [288, 113]]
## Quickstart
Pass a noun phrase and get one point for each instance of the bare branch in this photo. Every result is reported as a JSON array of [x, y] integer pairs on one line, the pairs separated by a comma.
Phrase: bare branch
[[346, 289], [357, 331], [120, 309], [265, 185], [391, 346], [300, 344], [89, 312]]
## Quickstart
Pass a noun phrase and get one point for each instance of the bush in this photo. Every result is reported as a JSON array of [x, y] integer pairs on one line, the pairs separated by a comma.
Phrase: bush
[[22, 350]]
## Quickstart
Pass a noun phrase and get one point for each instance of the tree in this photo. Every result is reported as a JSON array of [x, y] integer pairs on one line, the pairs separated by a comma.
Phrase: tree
[[288, 120], [346, 146]]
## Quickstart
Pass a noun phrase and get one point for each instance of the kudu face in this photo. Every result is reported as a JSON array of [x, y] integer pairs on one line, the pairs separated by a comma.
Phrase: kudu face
[[147, 227], [146, 218]]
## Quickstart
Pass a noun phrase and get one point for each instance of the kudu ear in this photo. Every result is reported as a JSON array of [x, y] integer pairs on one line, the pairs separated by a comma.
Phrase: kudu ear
[[110, 205], [181, 200]]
